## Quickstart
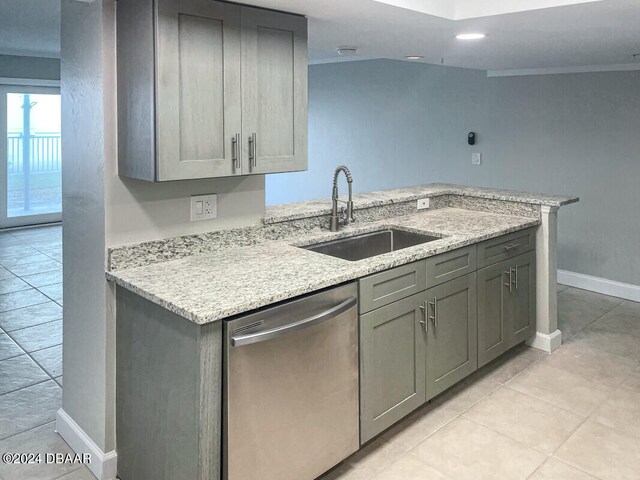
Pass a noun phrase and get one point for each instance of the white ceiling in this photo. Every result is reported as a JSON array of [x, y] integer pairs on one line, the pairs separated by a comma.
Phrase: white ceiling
[[30, 27], [588, 34], [591, 33]]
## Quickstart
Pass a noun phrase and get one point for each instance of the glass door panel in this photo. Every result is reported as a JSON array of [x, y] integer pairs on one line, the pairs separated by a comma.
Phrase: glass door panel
[[31, 159]]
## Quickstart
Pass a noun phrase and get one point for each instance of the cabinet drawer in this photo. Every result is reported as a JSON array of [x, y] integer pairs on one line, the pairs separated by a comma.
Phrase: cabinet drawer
[[386, 287], [450, 265], [506, 246]]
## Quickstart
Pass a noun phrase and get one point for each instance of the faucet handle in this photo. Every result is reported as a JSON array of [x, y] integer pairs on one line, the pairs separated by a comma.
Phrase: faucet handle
[[347, 213]]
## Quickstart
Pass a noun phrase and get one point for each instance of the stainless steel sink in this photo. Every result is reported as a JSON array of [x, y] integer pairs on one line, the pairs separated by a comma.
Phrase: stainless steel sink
[[370, 244]]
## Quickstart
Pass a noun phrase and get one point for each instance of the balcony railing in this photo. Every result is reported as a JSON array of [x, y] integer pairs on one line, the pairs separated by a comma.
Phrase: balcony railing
[[45, 153]]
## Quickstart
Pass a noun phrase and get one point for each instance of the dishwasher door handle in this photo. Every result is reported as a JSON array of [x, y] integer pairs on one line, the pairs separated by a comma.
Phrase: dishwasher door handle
[[240, 340]]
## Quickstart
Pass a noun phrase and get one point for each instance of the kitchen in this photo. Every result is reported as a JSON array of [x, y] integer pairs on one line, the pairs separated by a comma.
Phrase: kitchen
[[299, 243]]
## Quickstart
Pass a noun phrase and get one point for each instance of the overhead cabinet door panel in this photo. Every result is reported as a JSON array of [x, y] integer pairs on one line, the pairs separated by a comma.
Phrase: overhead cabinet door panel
[[274, 91], [198, 89]]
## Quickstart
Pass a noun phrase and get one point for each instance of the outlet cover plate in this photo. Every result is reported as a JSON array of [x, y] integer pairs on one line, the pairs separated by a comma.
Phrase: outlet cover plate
[[476, 159], [423, 203], [204, 207]]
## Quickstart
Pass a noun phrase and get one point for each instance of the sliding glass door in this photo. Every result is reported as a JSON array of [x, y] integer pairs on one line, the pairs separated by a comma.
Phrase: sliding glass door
[[30, 156]]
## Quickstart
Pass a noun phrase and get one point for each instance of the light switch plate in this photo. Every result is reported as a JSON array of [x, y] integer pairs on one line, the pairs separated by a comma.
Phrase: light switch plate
[[423, 203], [476, 159], [204, 207]]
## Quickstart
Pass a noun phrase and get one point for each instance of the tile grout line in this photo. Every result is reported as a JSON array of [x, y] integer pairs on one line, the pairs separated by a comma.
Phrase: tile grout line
[[34, 351], [28, 430], [594, 321], [31, 384]]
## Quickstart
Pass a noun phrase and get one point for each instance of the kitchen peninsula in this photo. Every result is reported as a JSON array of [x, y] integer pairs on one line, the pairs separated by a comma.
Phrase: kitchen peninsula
[[173, 294]]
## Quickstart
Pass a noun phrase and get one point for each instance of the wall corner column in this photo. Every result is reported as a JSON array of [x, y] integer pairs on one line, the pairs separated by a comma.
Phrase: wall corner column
[[547, 338]]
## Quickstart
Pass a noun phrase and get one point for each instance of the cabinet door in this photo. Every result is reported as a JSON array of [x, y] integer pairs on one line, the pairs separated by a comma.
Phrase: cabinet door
[[392, 364], [274, 91], [494, 311], [523, 318], [451, 334], [198, 100]]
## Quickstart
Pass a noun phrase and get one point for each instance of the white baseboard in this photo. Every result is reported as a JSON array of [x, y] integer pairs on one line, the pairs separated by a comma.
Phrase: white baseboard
[[547, 343], [600, 285], [103, 465]]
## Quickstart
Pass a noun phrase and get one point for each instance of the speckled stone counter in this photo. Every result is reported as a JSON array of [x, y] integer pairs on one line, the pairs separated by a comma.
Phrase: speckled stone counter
[[313, 208], [294, 219], [229, 281]]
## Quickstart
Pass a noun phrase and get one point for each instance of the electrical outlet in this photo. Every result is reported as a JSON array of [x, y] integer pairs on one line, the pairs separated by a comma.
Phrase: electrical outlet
[[204, 207], [476, 159], [423, 203]]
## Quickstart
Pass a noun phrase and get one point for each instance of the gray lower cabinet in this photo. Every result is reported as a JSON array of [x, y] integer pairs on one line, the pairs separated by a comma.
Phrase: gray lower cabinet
[[523, 319], [392, 364], [416, 342], [451, 333], [209, 89], [506, 305], [493, 311]]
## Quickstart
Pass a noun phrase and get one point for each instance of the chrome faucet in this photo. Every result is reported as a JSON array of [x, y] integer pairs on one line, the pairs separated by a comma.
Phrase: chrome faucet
[[346, 214]]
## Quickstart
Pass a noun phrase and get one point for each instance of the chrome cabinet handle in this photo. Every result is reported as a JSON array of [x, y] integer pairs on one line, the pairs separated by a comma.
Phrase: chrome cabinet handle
[[240, 340], [434, 317], [235, 141], [253, 150], [516, 270], [511, 247], [423, 321], [508, 272]]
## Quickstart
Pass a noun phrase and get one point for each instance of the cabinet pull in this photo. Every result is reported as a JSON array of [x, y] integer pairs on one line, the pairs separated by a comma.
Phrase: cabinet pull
[[508, 272], [423, 321], [434, 317], [516, 270], [235, 141], [511, 247], [253, 151]]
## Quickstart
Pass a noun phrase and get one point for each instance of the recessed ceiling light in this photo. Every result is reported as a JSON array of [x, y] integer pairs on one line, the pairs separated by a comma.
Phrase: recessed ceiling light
[[470, 36], [347, 51], [413, 57]]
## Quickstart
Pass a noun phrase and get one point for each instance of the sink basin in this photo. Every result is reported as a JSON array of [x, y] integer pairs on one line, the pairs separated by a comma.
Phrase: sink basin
[[370, 244]]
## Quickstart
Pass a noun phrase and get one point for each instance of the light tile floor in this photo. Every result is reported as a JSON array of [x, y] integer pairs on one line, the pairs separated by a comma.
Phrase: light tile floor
[[572, 415], [31, 352]]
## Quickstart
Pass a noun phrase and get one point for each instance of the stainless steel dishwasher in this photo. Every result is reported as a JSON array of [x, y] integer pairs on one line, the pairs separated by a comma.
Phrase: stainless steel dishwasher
[[291, 408]]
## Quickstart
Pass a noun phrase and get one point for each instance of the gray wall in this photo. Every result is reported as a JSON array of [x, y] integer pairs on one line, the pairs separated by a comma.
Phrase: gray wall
[[14, 66], [100, 210], [398, 123]]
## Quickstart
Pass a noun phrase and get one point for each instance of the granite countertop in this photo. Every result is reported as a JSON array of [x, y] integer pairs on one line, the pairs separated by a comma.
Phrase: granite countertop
[[313, 208], [210, 287]]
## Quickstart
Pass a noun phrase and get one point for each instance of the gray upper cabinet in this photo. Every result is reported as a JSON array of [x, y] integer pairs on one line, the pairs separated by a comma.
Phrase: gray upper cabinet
[[392, 364], [194, 101], [274, 91], [198, 106], [451, 333]]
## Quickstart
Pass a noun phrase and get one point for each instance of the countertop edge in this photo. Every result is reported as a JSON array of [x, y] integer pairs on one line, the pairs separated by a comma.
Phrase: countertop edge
[[224, 313]]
